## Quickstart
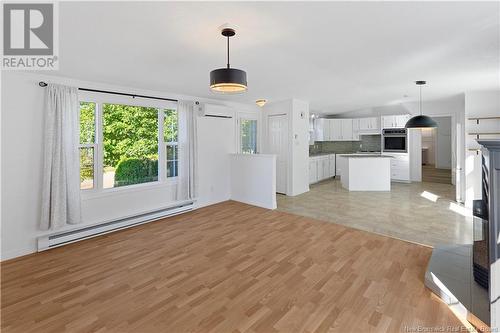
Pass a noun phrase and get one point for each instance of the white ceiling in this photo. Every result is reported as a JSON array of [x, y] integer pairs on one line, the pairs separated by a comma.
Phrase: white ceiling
[[339, 56]]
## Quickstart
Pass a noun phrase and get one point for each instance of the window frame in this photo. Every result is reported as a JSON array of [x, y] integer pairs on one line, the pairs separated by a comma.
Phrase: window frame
[[90, 145], [247, 116], [99, 99]]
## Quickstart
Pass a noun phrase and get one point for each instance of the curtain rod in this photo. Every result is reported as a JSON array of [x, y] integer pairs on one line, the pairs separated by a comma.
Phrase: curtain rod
[[44, 84]]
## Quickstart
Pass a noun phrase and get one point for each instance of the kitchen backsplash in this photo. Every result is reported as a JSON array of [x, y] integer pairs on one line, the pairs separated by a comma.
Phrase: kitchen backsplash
[[366, 143]]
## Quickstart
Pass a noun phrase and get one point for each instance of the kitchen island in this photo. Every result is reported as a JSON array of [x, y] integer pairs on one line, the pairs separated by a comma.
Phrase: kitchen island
[[365, 172]]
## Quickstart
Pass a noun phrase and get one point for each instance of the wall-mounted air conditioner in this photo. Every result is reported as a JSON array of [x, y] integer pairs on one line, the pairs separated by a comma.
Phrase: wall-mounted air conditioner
[[212, 110]]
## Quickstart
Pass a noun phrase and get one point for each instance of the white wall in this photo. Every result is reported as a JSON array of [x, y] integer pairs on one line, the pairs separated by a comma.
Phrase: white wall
[[478, 104], [213, 159], [253, 179], [22, 158], [297, 113], [300, 146], [443, 143], [428, 141], [415, 154]]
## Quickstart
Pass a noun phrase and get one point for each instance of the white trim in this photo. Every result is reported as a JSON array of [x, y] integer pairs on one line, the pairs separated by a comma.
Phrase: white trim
[[162, 177], [101, 98], [99, 193]]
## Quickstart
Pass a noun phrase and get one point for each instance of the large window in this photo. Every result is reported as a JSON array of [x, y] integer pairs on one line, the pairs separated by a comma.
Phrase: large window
[[123, 145], [248, 136]]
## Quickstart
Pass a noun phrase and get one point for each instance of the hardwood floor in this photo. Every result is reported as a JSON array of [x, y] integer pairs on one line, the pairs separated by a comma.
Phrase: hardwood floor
[[433, 175], [224, 268], [425, 213]]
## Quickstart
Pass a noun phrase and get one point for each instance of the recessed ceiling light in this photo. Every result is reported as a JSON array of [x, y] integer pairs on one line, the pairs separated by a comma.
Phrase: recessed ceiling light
[[261, 102]]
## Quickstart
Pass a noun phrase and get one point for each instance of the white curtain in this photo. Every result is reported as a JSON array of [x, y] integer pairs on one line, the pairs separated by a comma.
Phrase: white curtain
[[187, 186], [61, 180]]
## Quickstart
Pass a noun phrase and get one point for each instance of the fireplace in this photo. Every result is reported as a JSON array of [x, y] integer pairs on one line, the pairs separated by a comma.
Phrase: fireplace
[[480, 211], [480, 248]]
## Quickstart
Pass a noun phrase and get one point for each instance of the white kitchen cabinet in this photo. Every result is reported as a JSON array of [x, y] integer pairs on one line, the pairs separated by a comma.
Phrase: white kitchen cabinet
[[338, 165], [321, 175], [332, 165], [335, 130], [400, 167], [326, 130], [313, 170], [325, 164], [388, 122], [401, 120], [364, 124], [346, 129], [369, 125], [355, 129], [397, 121], [321, 167], [319, 124]]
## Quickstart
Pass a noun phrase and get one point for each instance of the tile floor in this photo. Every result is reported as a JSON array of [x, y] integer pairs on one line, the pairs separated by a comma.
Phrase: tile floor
[[424, 213]]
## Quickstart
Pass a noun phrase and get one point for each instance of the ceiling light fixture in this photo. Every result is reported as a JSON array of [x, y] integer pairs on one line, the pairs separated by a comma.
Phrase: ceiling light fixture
[[261, 102], [421, 121], [228, 80]]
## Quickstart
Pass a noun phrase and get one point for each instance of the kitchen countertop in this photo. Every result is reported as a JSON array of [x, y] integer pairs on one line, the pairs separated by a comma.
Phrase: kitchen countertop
[[374, 155], [321, 154], [342, 154]]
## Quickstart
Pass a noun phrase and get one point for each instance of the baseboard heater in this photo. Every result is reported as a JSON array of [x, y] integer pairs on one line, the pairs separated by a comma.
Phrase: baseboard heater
[[66, 237]]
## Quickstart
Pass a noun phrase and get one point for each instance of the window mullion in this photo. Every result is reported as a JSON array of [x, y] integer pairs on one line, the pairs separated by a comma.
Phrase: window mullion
[[162, 172], [98, 161]]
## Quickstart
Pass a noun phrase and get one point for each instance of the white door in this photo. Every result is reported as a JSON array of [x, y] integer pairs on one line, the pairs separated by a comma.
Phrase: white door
[[278, 145]]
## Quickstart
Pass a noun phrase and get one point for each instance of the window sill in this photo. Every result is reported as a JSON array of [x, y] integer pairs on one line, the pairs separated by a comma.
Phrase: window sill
[[99, 193]]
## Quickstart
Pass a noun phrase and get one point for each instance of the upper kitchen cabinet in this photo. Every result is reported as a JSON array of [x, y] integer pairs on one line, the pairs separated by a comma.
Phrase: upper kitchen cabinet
[[397, 121], [336, 129], [347, 133], [355, 129], [319, 133], [369, 125]]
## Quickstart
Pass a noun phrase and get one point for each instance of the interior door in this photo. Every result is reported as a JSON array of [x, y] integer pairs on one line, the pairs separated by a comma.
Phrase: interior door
[[278, 145]]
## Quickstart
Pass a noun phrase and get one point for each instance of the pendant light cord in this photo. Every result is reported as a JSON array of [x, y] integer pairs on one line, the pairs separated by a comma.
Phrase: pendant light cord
[[420, 100], [227, 51]]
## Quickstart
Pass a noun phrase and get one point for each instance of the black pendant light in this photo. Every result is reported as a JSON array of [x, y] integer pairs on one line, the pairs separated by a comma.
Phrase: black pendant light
[[228, 80], [421, 121]]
